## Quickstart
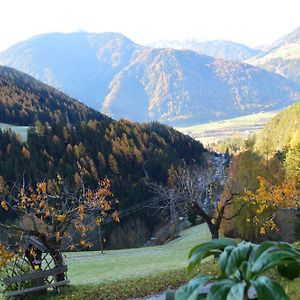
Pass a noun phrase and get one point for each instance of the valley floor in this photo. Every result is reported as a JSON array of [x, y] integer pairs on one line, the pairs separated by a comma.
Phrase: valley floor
[[214, 132]]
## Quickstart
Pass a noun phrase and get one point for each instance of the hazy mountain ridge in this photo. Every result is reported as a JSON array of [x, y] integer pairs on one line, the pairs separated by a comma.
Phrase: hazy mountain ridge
[[282, 57], [73, 62], [222, 49], [184, 87], [109, 72]]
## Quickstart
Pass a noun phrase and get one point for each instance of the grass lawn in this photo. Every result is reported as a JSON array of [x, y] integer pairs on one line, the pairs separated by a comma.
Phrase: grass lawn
[[95, 268]]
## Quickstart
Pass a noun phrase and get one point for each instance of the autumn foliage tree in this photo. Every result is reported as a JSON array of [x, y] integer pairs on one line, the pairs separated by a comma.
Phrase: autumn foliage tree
[[56, 213], [270, 199]]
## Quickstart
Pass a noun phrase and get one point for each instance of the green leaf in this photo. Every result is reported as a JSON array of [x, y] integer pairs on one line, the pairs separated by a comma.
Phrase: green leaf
[[270, 260], [269, 255], [268, 289], [237, 256], [220, 289], [191, 290], [289, 271], [223, 259], [259, 250], [237, 291], [170, 295], [204, 250]]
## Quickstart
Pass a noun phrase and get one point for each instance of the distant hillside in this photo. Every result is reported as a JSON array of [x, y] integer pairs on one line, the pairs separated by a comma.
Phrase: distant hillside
[[282, 131], [217, 48], [80, 64], [282, 57], [110, 73], [182, 87], [23, 100]]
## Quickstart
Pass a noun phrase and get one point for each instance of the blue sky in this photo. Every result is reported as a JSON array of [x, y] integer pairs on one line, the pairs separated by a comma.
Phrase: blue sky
[[253, 22]]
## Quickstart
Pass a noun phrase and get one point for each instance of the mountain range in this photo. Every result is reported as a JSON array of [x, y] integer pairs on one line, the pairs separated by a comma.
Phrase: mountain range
[[222, 49], [282, 57], [111, 73]]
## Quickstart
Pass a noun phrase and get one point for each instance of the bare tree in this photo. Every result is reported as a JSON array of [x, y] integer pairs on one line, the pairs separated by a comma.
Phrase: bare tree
[[198, 189]]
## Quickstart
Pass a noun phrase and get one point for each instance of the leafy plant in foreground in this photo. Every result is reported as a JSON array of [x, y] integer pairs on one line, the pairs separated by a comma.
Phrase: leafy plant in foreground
[[242, 269]]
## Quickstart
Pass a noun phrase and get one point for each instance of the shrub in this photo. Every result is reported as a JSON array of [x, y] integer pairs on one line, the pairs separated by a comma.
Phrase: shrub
[[243, 268]]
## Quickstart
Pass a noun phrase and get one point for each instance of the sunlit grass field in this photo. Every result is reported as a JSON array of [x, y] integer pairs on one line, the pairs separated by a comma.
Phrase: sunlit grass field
[[95, 267], [131, 273]]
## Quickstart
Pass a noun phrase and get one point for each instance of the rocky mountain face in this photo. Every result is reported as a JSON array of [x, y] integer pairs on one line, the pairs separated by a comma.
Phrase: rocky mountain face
[[110, 73], [222, 49], [282, 57]]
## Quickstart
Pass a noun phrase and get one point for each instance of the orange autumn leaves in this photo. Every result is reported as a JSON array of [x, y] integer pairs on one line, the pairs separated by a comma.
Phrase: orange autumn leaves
[[5, 255], [269, 199], [62, 210]]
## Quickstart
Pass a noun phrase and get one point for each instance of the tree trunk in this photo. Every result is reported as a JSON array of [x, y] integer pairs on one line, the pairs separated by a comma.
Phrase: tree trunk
[[215, 235], [214, 230], [59, 262]]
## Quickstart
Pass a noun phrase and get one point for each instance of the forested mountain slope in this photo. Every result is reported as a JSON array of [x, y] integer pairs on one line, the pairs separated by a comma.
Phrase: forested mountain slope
[[82, 142], [283, 131], [24, 100]]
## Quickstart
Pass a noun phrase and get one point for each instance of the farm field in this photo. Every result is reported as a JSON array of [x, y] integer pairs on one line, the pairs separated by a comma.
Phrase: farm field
[[21, 130], [216, 131]]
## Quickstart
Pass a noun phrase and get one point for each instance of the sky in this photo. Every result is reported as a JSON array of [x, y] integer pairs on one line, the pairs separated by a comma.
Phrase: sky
[[252, 22]]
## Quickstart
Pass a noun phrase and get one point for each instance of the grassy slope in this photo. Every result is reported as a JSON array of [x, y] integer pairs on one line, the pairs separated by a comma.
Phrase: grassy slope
[[123, 274], [95, 268], [216, 131], [21, 130], [126, 274]]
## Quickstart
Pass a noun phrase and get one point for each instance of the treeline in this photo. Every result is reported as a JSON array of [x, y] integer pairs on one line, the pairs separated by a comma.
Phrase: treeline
[[24, 100], [283, 131], [127, 153]]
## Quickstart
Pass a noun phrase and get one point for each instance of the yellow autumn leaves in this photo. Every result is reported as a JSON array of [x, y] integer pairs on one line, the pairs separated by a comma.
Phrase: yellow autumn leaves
[[268, 199], [4, 205]]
